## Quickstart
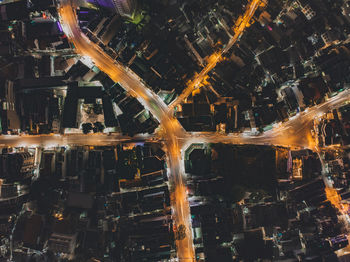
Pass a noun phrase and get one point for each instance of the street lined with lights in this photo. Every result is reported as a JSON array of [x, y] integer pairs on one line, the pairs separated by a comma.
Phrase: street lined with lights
[[293, 133], [215, 58], [171, 127]]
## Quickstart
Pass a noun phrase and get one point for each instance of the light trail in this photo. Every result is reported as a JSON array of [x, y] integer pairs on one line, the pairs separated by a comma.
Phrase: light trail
[[296, 132], [293, 133], [171, 127], [216, 57], [50, 140]]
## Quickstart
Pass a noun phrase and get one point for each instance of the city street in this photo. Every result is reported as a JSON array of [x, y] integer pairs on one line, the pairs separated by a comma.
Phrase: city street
[[57, 140], [175, 130], [132, 83], [295, 133], [216, 57]]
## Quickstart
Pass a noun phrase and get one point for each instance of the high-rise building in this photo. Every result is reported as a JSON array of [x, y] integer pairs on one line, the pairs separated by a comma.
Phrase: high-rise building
[[125, 8], [104, 3], [16, 166]]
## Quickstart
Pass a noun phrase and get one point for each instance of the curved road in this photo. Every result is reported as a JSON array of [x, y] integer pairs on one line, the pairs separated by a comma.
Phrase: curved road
[[216, 57], [171, 127], [293, 133], [296, 132]]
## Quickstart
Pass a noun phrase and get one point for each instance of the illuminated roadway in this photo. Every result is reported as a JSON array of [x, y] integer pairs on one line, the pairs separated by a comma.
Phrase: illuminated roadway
[[216, 57], [170, 126], [57, 140], [296, 132], [293, 133]]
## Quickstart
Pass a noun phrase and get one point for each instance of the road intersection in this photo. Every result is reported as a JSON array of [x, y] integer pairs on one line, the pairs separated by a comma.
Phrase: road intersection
[[295, 132]]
